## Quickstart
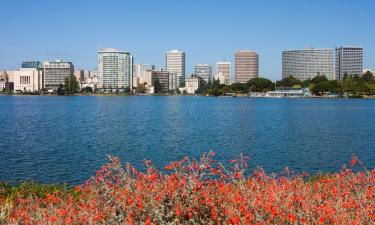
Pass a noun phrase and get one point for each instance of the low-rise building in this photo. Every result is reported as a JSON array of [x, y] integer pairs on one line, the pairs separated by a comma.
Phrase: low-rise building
[[27, 80], [192, 84], [289, 92]]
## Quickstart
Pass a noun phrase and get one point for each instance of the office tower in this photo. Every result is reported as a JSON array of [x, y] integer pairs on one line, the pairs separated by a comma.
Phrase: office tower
[[27, 80], [54, 73], [246, 66], [349, 60], [308, 63], [167, 80], [223, 72], [175, 63], [115, 70], [204, 71]]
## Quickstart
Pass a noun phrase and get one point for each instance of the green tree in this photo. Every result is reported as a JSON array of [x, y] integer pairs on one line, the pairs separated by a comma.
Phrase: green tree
[[288, 82], [240, 88], [368, 77], [319, 79], [140, 89], [71, 84], [260, 85]]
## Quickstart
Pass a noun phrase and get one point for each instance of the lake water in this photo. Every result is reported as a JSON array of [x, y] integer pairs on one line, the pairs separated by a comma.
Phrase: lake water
[[66, 139]]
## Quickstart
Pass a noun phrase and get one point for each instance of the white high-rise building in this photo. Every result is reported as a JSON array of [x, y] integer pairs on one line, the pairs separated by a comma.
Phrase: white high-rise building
[[204, 71], [308, 63], [349, 60], [175, 63], [115, 70], [223, 72]]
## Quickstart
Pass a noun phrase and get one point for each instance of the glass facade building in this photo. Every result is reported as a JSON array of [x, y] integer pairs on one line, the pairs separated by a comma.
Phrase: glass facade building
[[115, 70], [31, 64], [349, 60], [308, 63]]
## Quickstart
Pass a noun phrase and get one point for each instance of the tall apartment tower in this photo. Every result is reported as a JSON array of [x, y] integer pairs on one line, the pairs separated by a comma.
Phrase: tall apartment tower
[[246, 66], [223, 72], [115, 70], [175, 63], [204, 71], [54, 73], [307, 63], [349, 60]]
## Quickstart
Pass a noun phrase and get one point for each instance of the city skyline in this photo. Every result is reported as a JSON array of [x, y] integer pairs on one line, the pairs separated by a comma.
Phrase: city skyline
[[270, 28]]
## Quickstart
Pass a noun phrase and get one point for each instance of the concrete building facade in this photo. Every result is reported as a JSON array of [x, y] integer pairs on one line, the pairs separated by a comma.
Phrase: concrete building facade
[[175, 63], [192, 84], [223, 72], [27, 80], [246, 66], [204, 71], [308, 63], [54, 73]]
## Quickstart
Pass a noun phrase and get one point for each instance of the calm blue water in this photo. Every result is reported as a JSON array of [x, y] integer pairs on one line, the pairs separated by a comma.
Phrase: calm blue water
[[66, 139]]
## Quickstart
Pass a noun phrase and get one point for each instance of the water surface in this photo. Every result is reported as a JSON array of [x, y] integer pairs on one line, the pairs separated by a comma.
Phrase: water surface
[[66, 139]]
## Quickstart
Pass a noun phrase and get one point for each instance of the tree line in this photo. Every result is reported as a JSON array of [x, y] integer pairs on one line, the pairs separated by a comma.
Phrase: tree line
[[319, 85]]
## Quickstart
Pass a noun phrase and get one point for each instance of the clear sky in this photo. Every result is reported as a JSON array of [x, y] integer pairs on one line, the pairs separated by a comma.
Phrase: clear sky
[[207, 30]]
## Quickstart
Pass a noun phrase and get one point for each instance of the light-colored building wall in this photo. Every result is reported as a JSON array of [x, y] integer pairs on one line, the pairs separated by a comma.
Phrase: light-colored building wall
[[27, 80], [349, 60], [175, 63], [204, 71], [308, 63], [54, 73], [223, 72], [139, 71], [246, 66], [115, 69], [192, 84]]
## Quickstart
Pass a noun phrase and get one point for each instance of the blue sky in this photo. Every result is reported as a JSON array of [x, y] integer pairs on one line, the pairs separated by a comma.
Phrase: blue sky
[[207, 30]]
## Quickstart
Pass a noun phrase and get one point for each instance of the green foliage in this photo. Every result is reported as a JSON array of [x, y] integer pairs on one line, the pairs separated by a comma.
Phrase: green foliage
[[260, 85], [288, 82], [140, 89], [87, 90], [71, 84], [33, 189]]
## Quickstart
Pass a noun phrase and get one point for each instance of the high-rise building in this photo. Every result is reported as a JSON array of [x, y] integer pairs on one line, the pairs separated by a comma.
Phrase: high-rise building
[[246, 66], [349, 60], [223, 72], [27, 80], [175, 63], [54, 73], [167, 80], [308, 63], [115, 70], [204, 71]]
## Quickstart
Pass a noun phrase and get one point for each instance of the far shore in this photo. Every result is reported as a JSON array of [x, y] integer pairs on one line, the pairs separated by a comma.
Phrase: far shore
[[221, 96]]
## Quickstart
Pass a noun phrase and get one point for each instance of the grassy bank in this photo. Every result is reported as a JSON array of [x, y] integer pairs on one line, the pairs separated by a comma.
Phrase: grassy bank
[[195, 192]]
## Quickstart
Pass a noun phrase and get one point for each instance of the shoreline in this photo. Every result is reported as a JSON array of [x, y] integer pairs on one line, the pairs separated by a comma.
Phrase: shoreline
[[196, 95]]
